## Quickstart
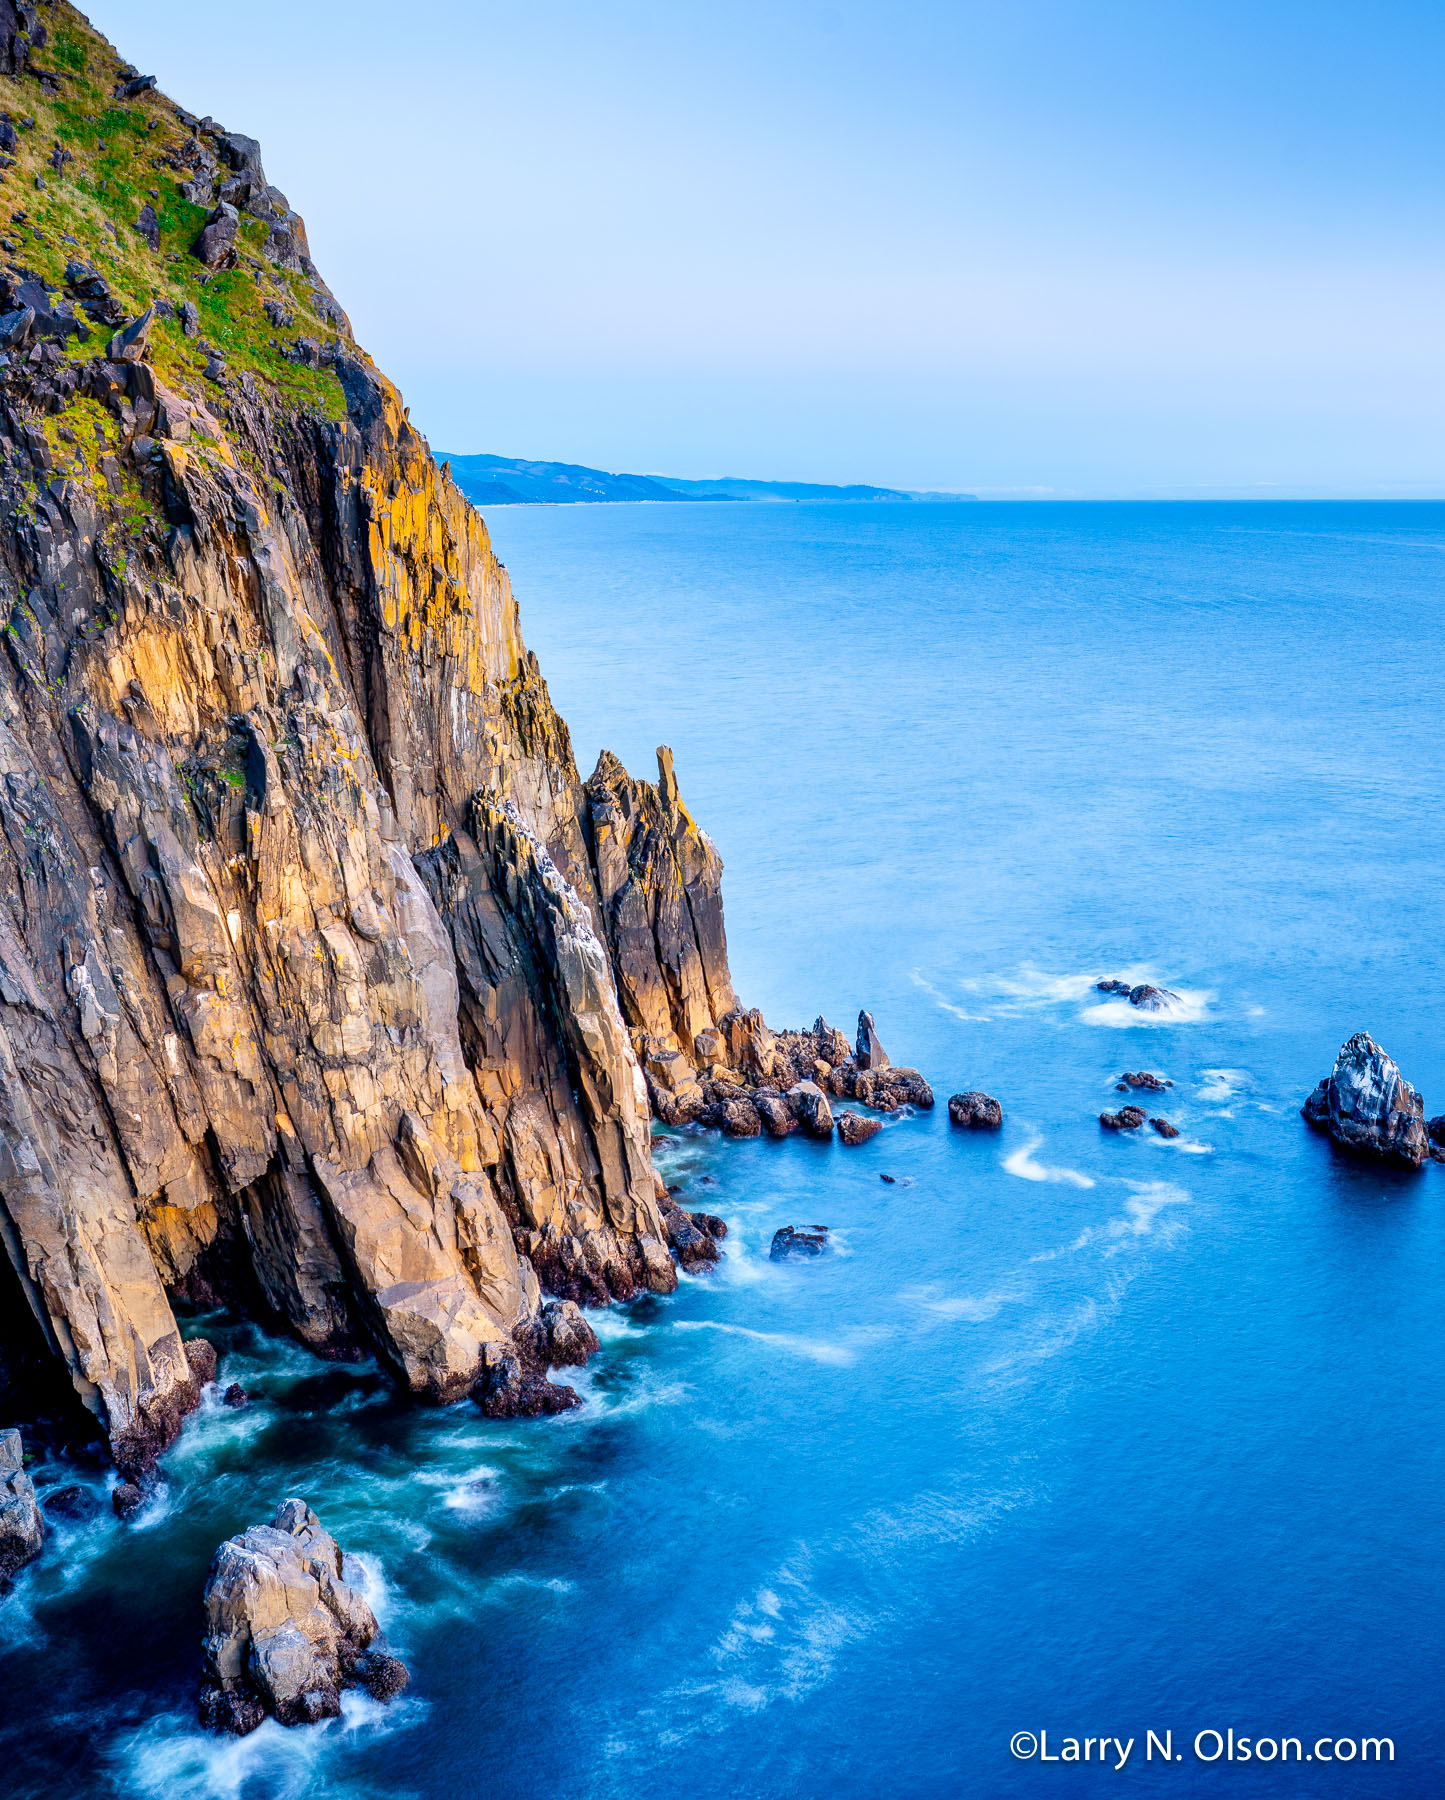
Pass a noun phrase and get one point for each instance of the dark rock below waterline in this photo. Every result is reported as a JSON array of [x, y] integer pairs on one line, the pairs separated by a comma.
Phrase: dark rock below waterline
[[1145, 1079], [286, 1631], [1144, 995], [975, 1111], [1164, 1128], [71, 1502], [1128, 1118], [799, 1240], [1149, 998], [1367, 1106], [22, 1528], [853, 1128]]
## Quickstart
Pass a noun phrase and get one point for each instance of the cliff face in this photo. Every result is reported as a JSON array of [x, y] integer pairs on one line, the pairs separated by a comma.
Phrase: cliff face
[[323, 979]]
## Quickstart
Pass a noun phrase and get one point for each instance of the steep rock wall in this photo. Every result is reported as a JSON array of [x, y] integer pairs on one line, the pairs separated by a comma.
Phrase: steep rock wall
[[307, 922]]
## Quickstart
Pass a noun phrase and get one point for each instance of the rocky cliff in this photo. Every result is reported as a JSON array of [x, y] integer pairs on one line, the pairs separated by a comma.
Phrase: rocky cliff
[[327, 988]]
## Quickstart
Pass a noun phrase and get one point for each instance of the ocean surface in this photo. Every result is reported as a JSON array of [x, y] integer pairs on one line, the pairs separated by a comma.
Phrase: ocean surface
[[1070, 1433]]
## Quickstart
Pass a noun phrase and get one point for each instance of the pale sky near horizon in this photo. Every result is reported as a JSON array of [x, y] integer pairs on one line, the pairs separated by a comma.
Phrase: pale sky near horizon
[[1042, 247]]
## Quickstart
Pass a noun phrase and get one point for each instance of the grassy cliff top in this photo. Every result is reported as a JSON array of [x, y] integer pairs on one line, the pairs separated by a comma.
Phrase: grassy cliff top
[[93, 165]]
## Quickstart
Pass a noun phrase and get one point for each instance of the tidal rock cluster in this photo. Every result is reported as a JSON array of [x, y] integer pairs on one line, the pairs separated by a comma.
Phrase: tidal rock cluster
[[1144, 1080], [747, 1080], [287, 1628], [1366, 1105]]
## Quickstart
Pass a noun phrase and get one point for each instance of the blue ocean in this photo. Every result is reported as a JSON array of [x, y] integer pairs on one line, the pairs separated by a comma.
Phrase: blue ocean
[[1071, 1435]]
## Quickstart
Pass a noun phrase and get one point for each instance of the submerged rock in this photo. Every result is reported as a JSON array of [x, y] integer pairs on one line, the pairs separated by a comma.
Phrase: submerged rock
[[70, 1502], [854, 1128], [975, 1111], [799, 1240], [22, 1528], [286, 1628], [1128, 1118], [1366, 1105], [1144, 995]]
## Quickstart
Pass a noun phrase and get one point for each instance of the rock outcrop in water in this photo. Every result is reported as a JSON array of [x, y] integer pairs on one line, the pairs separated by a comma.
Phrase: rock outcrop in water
[[1366, 1105], [975, 1111], [1144, 1079], [287, 1629], [1143, 995], [328, 990], [798, 1240]]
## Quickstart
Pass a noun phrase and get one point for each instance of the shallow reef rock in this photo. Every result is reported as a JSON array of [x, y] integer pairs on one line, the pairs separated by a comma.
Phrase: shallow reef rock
[[975, 1111], [1165, 1128], [798, 1240], [287, 1629], [1128, 1118], [1144, 995], [1367, 1106], [22, 1528], [1143, 1079], [329, 991]]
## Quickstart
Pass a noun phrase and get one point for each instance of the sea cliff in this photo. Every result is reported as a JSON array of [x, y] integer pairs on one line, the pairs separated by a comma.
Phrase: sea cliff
[[328, 990]]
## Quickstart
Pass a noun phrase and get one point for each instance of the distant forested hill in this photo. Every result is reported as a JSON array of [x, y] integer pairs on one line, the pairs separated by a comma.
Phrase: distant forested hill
[[508, 481]]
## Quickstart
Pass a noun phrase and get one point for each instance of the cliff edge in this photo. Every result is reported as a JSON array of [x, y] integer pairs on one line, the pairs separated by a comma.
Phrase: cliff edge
[[307, 997]]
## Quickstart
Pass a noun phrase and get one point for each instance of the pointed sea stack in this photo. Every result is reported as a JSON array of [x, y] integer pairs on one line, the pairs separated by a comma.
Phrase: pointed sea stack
[[1367, 1106]]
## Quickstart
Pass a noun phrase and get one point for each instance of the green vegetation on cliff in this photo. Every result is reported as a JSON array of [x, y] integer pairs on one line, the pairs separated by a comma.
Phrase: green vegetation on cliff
[[99, 170]]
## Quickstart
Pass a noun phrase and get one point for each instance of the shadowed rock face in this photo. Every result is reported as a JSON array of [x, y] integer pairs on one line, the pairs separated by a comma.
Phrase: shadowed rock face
[[22, 1529], [1367, 1106]]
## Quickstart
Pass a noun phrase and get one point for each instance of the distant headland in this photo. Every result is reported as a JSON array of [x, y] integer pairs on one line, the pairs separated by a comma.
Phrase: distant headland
[[508, 481]]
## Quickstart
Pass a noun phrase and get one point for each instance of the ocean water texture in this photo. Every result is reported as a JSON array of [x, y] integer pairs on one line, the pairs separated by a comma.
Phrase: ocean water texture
[[1070, 1431]]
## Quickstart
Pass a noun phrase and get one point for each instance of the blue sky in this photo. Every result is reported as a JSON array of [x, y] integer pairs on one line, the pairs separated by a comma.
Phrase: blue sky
[[1034, 247]]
